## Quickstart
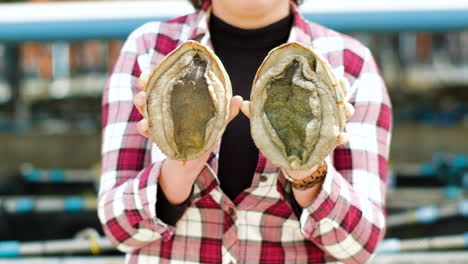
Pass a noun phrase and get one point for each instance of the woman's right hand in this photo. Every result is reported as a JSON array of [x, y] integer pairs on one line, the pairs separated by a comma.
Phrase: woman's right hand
[[176, 177]]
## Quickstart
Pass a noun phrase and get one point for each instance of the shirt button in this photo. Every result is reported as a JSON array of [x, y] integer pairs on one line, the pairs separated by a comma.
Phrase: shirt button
[[263, 178], [231, 211]]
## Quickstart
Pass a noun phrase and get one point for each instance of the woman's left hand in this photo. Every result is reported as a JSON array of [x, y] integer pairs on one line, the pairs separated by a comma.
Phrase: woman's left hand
[[342, 137]]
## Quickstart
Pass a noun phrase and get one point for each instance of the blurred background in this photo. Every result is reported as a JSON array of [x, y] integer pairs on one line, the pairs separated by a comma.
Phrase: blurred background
[[54, 60]]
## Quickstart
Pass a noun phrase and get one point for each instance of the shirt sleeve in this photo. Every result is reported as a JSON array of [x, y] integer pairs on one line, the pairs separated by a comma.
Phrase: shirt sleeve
[[129, 180], [347, 219]]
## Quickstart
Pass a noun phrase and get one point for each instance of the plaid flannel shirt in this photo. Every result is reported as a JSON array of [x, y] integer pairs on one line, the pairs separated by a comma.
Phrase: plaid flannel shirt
[[344, 224]]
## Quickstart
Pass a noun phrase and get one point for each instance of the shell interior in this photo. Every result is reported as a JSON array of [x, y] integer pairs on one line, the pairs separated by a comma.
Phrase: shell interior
[[291, 106], [191, 107]]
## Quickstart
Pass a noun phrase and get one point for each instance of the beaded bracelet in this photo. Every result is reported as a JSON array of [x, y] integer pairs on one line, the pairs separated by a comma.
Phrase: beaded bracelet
[[305, 183]]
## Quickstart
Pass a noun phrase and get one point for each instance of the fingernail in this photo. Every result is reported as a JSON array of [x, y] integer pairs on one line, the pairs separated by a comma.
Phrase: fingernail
[[350, 112], [343, 138]]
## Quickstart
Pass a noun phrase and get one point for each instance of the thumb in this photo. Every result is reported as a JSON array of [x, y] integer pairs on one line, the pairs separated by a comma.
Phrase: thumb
[[344, 86], [245, 108], [236, 102], [143, 80]]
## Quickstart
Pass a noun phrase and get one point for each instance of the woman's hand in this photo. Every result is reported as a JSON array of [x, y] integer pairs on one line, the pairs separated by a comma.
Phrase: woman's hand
[[176, 177], [305, 197]]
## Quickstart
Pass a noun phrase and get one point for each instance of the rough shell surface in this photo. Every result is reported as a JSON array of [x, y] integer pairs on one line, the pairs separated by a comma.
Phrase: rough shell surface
[[188, 96], [297, 107]]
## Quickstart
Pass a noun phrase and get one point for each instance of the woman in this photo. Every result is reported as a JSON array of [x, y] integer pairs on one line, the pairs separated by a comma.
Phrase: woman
[[232, 205]]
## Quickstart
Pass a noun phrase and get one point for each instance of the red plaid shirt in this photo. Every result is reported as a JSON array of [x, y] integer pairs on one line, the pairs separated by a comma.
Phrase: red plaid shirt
[[344, 224]]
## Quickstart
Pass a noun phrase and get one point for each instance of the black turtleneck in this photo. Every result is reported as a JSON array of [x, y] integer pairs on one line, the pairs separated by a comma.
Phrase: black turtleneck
[[241, 52]]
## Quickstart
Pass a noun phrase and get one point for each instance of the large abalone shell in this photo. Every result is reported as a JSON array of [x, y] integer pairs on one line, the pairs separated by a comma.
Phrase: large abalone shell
[[297, 107], [188, 96]]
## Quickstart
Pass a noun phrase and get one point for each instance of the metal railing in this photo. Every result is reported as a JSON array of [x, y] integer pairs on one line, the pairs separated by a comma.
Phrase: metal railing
[[114, 20]]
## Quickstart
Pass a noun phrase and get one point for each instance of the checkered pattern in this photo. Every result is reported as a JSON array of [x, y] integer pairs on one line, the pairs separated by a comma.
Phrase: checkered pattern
[[344, 224]]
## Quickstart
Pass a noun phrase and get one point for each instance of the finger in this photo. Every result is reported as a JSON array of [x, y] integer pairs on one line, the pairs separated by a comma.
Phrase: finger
[[344, 86], [245, 108], [142, 127], [139, 100], [144, 77], [236, 102], [349, 110], [343, 138]]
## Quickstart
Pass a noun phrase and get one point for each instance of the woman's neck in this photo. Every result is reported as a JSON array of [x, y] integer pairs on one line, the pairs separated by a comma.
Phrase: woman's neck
[[226, 35], [246, 16]]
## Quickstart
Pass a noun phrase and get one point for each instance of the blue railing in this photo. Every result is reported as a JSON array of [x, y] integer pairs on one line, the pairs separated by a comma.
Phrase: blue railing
[[115, 20]]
